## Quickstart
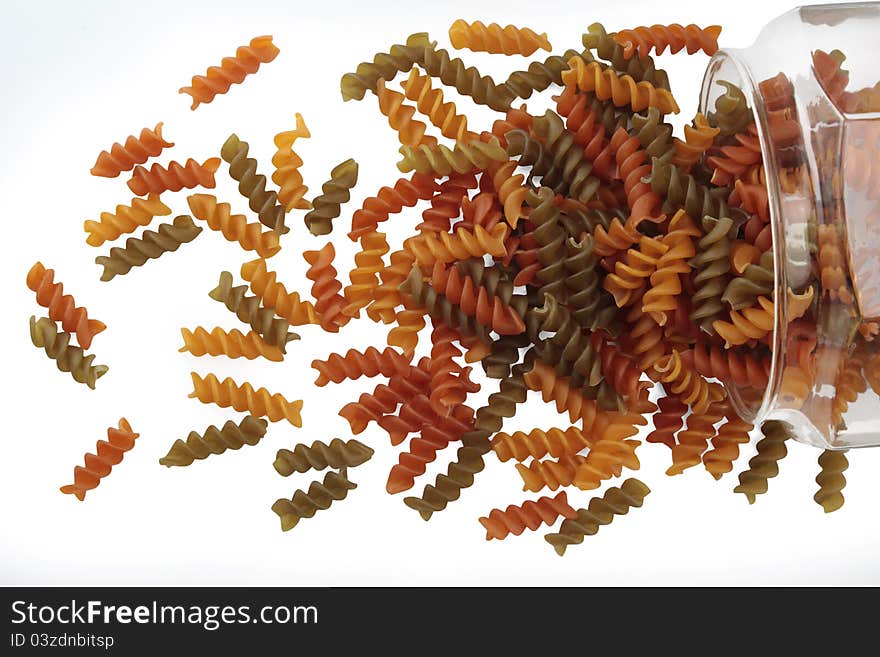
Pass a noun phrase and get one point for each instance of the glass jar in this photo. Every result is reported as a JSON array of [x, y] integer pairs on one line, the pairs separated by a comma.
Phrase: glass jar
[[811, 83]]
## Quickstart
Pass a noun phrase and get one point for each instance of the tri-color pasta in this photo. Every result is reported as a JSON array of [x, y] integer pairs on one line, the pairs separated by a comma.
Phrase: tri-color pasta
[[585, 253]]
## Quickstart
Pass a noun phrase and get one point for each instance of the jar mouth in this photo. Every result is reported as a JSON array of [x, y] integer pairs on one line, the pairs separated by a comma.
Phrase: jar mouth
[[727, 65]]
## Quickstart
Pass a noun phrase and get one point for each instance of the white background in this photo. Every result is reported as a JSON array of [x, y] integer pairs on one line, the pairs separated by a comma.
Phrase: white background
[[79, 76]]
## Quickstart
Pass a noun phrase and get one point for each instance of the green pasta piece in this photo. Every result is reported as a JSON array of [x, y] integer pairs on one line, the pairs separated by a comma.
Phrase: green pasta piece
[[550, 236], [591, 306], [712, 263], [654, 134], [334, 193], [756, 281], [319, 456], [319, 497], [67, 357], [568, 157], [252, 185], [149, 246], [732, 112], [199, 446], [682, 192], [600, 511], [273, 330], [765, 465]]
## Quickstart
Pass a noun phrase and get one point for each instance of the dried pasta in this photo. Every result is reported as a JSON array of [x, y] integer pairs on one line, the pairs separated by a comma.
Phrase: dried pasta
[[137, 150], [232, 70], [199, 446], [108, 453], [149, 246], [68, 357], [243, 398], [334, 193]]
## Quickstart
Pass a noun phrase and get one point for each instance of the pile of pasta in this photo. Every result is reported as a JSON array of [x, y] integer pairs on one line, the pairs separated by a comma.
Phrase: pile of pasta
[[586, 254]]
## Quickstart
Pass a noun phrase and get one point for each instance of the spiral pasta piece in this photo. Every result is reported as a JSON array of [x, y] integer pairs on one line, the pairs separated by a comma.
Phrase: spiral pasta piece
[[405, 193], [232, 70], [243, 398], [429, 102], [592, 308], [62, 307], [765, 465], [319, 497], [600, 511], [748, 324], [742, 368], [497, 40], [462, 244], [630, 276], [440, 160], [712, 265], [530, 515], [199, 446], [334, 193], [666, 281], [325, 288], [252, 185], [698, 139], [232, 344], [136, 150], [233, 227], [149, 246], [291, 190], [693, 440], [272, 294], [681, 191], [654, 134], [410, 131], [125, 219], [732, 112], [466, 80], [732, 433], [537, 444], [274, 331], [622, 90], [98, 465], [320, 456], [685, 382], [365, 275], [667, 421], [384, 66], [831, 480], [158, 178], [355, 364], [675, 37], [67, 357]]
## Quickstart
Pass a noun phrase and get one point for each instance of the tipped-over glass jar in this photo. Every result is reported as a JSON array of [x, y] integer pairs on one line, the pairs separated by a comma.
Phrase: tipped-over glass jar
[[811, 84]]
